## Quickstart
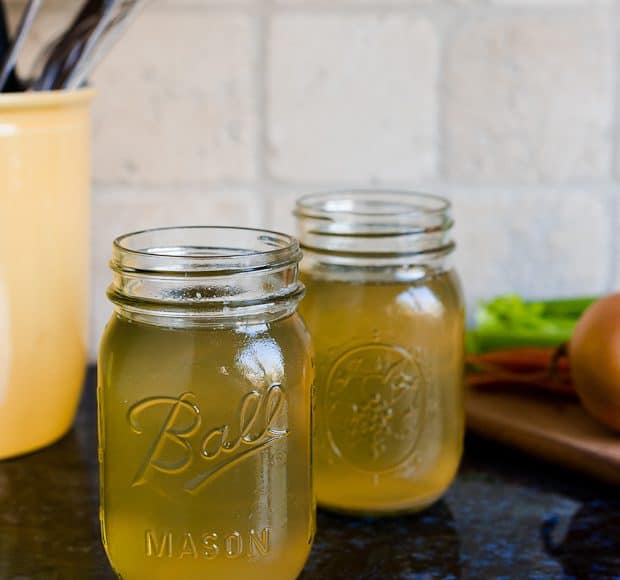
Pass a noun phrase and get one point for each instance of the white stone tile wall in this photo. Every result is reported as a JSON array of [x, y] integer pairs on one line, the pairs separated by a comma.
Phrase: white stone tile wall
[[224, 111]]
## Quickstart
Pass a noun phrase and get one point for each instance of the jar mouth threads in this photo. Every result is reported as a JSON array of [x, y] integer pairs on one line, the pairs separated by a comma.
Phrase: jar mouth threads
[[206, 273], [368, 202], [202, 249], [375, 224]]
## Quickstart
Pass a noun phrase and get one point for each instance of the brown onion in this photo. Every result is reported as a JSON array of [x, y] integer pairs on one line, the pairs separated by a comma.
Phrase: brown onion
[[594, 352]]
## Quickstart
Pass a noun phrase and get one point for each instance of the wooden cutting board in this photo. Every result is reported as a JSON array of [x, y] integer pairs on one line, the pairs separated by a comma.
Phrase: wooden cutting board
[[554, 429]]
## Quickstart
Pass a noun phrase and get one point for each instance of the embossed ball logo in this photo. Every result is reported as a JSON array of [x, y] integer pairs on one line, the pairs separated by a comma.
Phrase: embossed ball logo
[[375, 406]]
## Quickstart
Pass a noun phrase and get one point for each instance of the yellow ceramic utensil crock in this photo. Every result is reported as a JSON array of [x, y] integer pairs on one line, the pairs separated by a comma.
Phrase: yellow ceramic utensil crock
[[44, 259]]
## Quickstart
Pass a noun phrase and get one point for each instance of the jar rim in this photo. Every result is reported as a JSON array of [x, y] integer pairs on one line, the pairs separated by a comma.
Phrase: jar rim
[[369, 202], [10, 102], [203, 248], [375, 226], [205, 275]]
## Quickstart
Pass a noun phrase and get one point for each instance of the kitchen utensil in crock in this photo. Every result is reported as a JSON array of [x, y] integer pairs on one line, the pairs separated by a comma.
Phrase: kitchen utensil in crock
[[67, 50], [10, 57], [102, 41], [12, 83]]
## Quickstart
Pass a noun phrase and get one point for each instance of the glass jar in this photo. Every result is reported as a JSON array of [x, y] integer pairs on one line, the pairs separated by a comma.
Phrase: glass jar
[[386, 314], [205, 375]]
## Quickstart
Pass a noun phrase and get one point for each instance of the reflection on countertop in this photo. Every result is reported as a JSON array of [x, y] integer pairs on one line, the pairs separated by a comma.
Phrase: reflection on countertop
[[507, 515]]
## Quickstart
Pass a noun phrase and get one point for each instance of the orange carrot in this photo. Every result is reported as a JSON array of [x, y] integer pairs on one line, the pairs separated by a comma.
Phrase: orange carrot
[[542, 369], [521, 359]]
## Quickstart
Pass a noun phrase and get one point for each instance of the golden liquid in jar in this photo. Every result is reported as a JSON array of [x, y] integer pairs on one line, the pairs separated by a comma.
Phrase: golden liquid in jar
[[205, 450], [389, 391]]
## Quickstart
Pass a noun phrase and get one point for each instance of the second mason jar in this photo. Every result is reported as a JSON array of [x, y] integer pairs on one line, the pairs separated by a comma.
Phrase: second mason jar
[[386, 314], [205, 377]]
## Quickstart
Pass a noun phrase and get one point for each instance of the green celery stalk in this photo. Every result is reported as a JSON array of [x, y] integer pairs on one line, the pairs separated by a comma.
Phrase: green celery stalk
[[509, 321]]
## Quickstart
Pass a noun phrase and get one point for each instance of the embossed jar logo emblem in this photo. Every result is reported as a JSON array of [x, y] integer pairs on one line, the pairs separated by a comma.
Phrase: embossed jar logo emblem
[[178, 436], [375, 406]]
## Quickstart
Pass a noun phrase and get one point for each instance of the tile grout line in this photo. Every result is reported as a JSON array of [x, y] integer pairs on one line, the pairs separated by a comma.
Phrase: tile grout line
[[261, 40], [611, 199], [444, 28]]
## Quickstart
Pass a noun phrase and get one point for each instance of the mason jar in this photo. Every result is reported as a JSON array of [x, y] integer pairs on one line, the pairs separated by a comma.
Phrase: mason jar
[[205, 376], [385, 310]]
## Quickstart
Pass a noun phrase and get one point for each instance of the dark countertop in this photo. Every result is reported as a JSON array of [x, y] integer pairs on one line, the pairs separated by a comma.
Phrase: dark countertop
[[506, 516]]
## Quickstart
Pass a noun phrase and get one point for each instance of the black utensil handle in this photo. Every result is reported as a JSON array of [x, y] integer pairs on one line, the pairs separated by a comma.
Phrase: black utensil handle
[[10, 59], [12, 84]]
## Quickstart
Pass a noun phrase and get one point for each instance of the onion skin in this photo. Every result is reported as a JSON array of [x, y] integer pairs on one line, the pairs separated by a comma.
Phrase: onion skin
[[594, 353]]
